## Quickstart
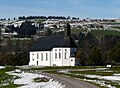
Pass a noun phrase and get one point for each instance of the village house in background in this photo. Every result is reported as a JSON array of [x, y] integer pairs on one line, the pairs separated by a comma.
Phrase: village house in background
[[54, 50]]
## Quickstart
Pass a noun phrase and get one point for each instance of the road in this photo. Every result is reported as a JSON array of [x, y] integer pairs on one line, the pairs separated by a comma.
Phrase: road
[[70, 82]]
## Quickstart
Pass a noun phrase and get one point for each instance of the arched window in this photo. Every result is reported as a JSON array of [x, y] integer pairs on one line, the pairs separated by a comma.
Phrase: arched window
[[55, 55], [33, 57], [65, 53], [41, 56], [46, 57], [59, 55], [37, 56]]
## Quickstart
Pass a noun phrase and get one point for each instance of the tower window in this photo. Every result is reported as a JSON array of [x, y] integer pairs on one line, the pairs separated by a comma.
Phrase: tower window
[[33, 56], [65, 49], [59, 55], [65, 55]]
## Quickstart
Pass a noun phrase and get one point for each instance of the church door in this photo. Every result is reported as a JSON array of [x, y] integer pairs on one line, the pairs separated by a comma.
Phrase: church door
[[37, 62]]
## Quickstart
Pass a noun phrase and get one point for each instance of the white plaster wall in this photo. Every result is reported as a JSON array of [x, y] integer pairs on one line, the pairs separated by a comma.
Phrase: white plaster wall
[[66, 61], [52, 61], [33, 55], [31, 58], [56, 61], [62, 61], [72, 61]]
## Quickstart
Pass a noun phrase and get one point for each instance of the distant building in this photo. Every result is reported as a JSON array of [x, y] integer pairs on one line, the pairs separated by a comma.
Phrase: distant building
[[117, 21], [7, 34], [18, 24], [54, 51]]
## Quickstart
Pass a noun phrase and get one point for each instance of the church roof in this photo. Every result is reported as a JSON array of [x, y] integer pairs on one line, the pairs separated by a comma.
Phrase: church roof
[[50, 42]]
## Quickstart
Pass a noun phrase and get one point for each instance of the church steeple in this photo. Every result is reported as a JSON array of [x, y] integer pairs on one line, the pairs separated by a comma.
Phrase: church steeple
[[67, 31]]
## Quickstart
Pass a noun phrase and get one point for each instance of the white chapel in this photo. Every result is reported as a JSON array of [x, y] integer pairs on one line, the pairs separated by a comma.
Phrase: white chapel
[[54, 50]]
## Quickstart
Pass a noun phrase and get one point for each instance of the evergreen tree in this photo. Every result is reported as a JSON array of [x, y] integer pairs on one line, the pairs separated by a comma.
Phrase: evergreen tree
[[114, 54], [95, 57], [27, 29]]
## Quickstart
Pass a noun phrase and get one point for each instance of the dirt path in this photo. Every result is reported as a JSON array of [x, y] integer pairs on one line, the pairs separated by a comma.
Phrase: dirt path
[[70, 82]]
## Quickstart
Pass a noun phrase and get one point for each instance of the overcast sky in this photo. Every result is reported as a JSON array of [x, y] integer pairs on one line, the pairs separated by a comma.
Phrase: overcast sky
[[77, 8]]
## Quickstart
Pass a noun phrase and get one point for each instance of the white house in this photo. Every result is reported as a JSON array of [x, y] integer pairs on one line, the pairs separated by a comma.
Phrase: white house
[[54, 51], [50, 23]]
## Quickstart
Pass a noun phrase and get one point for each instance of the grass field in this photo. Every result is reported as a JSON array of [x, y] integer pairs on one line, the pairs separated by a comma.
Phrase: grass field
[[101, 33], [6, 81], [97, 33], [41, 20], [117, 27], [112, 23], [66, 67], [77, 31]]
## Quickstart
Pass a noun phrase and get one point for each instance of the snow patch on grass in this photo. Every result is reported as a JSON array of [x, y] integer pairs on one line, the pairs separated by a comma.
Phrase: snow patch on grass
[[110, 78], [63, 71], [1, 67], [101, 83], [26, 79], [116, 74]]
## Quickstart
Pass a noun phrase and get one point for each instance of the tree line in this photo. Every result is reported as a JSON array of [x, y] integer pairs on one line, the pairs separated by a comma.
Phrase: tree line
[[26, 29], [45, 17], [15, 52], [41, 17], [12, 59], [96, 53]]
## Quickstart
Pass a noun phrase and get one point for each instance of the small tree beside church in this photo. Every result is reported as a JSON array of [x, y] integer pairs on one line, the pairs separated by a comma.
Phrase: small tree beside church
[[79, 57]]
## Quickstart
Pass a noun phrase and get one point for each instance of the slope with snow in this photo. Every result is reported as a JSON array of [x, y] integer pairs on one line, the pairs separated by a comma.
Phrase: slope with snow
[[1, 67], [27, 80]]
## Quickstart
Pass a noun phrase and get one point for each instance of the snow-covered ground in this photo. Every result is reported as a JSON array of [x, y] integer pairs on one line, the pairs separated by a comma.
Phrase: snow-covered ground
[[1, 67], [110, 78], [105, 81], [101, 83], [27, 80]]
